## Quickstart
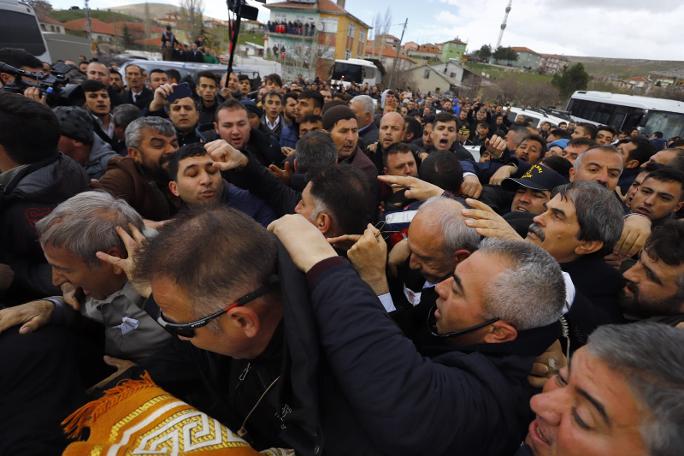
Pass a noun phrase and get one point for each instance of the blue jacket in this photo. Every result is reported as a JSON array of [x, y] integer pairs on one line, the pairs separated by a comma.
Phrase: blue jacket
[[247, 203]]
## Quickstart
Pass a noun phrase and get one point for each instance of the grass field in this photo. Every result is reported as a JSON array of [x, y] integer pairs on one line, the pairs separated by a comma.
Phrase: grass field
[[495, 73], [104, 16]]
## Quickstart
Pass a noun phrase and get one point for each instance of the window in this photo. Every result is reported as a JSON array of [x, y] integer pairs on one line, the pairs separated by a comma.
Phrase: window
[[19, 30], [426, 74]]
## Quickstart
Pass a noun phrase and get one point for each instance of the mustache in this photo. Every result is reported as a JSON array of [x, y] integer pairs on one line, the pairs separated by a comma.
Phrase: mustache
[[632, 287], [537, 231]]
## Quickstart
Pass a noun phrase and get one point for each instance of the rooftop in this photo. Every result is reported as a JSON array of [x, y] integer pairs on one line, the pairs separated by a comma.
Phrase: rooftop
[[524, 50], [97, 26]]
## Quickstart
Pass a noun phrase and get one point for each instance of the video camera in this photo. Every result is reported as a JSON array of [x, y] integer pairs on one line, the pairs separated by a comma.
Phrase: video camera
[[54, 84]]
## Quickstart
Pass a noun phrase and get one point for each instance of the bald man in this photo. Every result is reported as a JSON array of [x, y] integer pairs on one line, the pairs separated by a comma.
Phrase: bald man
[[392, 131]]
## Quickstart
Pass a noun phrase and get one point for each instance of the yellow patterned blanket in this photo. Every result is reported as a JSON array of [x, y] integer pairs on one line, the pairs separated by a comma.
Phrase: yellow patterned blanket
[[138, 418]]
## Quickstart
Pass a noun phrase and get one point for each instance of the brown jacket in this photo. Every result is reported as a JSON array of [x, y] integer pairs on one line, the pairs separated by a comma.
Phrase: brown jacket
[[124, 179]]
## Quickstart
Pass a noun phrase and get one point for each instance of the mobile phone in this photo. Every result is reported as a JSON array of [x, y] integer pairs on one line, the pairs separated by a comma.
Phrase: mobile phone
[[181, 90]]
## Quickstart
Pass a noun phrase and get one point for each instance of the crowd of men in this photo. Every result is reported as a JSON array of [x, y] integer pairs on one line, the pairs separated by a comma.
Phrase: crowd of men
[[332, 271]]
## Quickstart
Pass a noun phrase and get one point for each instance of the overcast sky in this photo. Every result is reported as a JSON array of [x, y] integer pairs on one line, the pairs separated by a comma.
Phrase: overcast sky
[[646, 29]]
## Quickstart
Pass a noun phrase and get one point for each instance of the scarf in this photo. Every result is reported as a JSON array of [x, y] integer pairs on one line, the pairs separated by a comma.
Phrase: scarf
[[136, 417]]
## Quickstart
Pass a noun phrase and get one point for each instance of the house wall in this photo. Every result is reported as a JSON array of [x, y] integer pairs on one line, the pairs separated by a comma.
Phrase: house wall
[[419, 81], [350, 37], [453, 51]]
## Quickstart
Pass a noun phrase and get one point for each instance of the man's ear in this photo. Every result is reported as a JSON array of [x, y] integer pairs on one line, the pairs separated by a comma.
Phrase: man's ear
[[294, 165], [501, 332], [246, 319], [173, 188], [679, 206], [632, 164], [6, 79], [317, 111], [135, 154], [323, 222], [115, 252], [460, 255], [587, 247], [571, 174]]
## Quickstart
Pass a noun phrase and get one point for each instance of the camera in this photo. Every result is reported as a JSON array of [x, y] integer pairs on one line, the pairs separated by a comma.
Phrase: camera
[[55, 84]]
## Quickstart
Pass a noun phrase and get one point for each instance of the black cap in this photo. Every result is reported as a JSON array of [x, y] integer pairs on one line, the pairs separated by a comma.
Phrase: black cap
[[75, 123], [251, 107], [538, 177]]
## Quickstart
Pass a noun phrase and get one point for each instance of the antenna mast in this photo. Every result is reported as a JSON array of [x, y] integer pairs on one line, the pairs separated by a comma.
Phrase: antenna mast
[[503, 25]]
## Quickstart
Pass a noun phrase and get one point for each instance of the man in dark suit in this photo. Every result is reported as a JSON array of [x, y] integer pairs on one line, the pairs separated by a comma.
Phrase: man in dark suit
[[137, 94]]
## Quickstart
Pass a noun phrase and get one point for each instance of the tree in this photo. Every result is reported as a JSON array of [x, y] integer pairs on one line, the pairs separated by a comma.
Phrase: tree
[[126, 37], [381, 26], [191, 14], [505, 53], [40, 4], [571, 79], [484, 53]]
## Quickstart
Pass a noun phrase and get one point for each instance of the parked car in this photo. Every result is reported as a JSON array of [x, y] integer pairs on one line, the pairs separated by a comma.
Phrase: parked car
[[536, 116]]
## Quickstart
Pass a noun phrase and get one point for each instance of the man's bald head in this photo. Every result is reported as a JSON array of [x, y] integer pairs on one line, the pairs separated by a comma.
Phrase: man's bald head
[[98, 72], [391, 129]]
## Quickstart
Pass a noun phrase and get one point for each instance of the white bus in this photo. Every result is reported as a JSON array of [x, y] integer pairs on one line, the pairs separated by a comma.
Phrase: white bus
[[359, 71], [19, 29], [626, 112]]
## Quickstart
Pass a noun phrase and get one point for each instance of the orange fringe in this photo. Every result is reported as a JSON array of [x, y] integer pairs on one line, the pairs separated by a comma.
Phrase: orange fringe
[[82, 418]]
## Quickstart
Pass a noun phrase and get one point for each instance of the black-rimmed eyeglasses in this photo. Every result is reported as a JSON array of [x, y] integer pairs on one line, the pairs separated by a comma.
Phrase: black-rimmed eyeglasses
[[188, 329]]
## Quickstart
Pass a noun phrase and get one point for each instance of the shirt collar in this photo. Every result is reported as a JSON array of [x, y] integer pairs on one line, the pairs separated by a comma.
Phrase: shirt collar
[[272, 126]]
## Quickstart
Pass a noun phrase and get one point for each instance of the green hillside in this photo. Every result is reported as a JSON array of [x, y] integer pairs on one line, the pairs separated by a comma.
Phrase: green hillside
[[102, 15]]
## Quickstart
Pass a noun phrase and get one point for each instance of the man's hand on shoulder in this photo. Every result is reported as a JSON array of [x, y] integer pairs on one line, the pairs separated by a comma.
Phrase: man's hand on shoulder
[[31, 316]]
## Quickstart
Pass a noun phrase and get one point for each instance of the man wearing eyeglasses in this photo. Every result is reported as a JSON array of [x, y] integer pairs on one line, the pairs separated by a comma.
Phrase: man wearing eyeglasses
[[362, 388]]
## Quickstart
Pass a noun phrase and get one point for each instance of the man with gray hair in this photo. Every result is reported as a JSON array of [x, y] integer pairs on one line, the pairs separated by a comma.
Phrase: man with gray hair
[[581, 224], [139, 178], [438, 240], [364, 110], [495, 311], [122, 116], [82, 241], [622, 394]]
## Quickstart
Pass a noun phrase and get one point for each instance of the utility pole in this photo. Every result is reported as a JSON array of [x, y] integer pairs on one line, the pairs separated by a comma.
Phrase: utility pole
[[89, 28], [396, 57], [147, 21], [503, 27]]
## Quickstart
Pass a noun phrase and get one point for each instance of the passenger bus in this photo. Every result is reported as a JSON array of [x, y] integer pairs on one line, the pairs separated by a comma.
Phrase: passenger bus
[[359, 71], [19, 29], [626, 112]]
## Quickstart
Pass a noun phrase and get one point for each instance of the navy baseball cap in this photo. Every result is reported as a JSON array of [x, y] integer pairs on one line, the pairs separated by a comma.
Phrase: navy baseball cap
[[538, 177]]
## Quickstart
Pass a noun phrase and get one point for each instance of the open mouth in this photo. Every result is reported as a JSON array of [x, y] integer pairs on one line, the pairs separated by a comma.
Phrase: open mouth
[[536, 434]]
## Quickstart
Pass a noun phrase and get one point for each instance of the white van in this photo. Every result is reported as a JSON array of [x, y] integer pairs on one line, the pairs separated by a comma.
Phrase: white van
[[536, 117], [19, 29]]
